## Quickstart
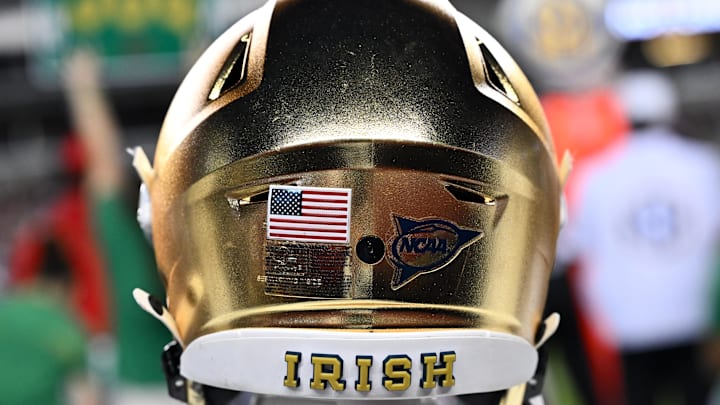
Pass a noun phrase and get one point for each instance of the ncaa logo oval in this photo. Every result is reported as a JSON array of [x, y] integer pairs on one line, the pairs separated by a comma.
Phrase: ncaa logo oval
[[426, 245]]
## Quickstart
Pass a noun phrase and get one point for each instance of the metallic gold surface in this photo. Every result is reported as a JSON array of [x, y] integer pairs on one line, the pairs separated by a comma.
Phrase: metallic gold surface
[[407, 119]]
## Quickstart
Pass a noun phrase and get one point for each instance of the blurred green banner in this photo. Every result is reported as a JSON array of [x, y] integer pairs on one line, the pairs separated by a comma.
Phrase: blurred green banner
[[137, 40]]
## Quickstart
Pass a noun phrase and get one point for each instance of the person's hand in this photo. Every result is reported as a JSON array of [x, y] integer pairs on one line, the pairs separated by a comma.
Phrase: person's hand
[[81, 71]]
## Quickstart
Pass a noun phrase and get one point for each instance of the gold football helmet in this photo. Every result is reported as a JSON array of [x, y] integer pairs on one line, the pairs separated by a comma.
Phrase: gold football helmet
[[354, 199]]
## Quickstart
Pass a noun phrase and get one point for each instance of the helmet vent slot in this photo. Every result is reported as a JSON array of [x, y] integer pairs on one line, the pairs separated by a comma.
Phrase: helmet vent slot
[[496, 75], [254, 195], [469, 195], [234, 71], [250, 195]]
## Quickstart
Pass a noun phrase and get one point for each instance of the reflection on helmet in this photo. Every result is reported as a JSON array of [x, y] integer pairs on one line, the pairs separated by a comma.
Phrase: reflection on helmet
[[355, 199]]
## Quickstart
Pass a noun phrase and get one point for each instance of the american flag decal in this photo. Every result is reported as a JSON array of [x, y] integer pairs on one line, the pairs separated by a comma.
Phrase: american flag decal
[[309, 214]]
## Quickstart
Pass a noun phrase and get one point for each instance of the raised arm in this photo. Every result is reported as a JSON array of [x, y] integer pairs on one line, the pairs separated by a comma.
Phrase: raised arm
[[94, 122]]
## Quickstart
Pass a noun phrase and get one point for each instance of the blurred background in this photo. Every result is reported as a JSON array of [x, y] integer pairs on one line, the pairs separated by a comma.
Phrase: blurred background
[[630, 88]]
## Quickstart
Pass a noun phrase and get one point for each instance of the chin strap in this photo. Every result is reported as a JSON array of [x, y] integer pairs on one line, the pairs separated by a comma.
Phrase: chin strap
[[177, 385]]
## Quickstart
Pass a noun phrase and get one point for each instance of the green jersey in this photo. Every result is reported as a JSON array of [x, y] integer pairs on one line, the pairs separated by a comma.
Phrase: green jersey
[[140, 338], [41, 347]]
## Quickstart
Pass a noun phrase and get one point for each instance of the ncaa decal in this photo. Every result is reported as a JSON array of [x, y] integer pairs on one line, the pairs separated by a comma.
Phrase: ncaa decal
[[426, 245]]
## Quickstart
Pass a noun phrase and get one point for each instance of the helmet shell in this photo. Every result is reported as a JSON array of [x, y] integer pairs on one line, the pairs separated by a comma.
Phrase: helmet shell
[[408, 104]]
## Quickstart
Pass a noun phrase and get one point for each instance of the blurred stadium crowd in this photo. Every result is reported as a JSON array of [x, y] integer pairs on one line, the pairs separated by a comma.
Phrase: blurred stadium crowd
[[630, 91]]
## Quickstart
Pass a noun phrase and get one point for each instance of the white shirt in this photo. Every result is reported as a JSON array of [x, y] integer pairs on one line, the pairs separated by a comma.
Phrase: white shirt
[[645, 231]]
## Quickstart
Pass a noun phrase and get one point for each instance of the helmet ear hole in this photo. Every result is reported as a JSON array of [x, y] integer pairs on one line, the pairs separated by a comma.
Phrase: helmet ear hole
[[234, 71], [496, 75], [370, 249]]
